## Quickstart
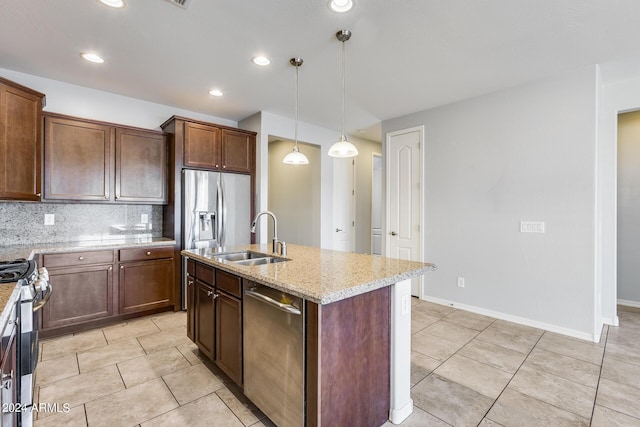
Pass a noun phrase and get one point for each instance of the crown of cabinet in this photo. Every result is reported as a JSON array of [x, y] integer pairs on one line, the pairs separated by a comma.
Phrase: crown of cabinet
[[203, 145]]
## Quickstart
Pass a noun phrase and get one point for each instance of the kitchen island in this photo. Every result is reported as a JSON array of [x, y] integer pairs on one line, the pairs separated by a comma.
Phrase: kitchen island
[[357, 311]]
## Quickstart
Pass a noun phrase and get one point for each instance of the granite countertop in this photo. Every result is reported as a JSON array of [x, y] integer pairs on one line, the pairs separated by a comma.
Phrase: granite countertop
[[320, 275], [29, 251]]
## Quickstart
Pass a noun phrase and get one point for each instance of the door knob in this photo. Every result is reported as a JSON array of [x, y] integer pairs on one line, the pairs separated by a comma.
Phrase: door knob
[[338, 230], [393, 233]]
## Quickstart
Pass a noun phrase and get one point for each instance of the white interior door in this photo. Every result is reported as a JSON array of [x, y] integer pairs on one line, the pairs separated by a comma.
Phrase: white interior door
[[404, 198], [343, 202]]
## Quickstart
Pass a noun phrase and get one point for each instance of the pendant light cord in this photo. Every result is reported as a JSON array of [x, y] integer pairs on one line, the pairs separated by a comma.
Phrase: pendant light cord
[[296, 105], [343, 92]]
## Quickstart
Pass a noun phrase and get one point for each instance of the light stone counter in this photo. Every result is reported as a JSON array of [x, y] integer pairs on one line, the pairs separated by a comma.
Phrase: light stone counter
[[8, 253], [319, 275]]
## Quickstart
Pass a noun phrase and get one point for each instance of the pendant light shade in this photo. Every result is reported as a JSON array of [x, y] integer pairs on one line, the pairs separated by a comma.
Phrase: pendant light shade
[[343, 148], [296, 157]]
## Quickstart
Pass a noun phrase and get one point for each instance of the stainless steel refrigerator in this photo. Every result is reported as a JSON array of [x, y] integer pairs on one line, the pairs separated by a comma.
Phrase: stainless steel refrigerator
[[216, 212]]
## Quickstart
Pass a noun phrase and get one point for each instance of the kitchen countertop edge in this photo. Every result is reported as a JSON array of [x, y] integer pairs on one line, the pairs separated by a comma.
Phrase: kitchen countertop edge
[[323, 298], [30, 251]]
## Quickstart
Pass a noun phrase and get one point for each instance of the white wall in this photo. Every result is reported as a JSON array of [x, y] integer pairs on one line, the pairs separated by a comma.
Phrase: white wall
[[79, 101], [364, 174], [526, 153]]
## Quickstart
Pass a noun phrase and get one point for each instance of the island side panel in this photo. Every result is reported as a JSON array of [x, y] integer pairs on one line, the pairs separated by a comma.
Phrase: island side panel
[[353, 360]]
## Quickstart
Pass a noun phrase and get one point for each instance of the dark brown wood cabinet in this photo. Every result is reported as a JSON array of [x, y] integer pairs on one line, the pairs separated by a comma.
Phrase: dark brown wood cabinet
[[81, 292], [229, 336], [214, 316], [77, 159], [141, 166], [20, 141], [238, 151], [205, 318], [91, 161], [201, 146], [87, 293]]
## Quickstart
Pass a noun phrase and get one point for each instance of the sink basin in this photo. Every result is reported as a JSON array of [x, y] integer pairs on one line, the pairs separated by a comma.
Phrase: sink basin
[[248, 258], [260, 261], [240, 256]]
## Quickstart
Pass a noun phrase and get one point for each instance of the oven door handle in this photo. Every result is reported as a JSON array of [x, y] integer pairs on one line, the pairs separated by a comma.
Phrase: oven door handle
[[41, 304]]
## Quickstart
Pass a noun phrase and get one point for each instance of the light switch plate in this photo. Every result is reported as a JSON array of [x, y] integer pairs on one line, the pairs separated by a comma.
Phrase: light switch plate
[[49, 219], [532, 226]]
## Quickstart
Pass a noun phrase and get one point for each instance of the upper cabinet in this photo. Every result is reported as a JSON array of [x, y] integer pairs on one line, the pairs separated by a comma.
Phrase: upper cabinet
[[77, 159], [85, 160], [20, 141], [213, 147], [141, 166]]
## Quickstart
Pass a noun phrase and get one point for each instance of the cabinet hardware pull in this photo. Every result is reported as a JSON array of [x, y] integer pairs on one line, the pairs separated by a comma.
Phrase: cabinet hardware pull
[[217, 166], [38, 194], [121, 267], [224, 166], [81, 258], [215, 296], [190, 282], [209, 293], [148, 253], [110, 268]]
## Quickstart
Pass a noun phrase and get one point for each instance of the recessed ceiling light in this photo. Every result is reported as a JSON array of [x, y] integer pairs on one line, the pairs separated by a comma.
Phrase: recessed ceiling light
[[261, 60], [215, 92], [341, 5], [92, 57], [113, 3]]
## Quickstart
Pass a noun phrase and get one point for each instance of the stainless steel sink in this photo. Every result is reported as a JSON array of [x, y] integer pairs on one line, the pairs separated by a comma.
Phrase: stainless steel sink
[[260, 261], [248, 258]]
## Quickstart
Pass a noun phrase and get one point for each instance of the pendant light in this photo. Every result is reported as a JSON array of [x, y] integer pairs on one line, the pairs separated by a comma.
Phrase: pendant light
[[296, 157], [343, 148]]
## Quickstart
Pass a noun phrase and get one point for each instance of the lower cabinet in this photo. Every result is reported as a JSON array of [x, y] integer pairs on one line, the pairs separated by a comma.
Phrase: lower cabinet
[[214, 316], [87, 293], [205, 318], [80, 294]]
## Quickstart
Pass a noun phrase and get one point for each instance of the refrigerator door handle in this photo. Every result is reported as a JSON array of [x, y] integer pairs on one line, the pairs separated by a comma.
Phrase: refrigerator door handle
[[223, 213], [219, 219]]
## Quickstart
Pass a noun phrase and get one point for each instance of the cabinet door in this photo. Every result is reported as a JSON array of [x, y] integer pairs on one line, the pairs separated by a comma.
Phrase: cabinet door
[[141, 166], [201, 146], [229, 336], [79, 294], [205, 318], [191, 308], [20, 139], [145, 285], [237, 152], [77, 160]]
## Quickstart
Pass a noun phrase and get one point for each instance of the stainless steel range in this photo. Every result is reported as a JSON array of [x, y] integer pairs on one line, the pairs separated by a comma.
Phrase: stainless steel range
[[35, 292]]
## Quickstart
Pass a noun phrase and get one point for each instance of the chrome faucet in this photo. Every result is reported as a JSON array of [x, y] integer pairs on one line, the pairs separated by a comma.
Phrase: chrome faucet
[[276, 241]]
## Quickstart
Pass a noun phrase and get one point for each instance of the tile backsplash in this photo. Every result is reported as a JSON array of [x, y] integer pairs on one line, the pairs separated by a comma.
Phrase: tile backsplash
[[23, 223]]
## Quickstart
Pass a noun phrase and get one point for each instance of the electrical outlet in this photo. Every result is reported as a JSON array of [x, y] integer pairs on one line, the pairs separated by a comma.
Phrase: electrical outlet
[[460, 282], [49, 219], [144, 219]]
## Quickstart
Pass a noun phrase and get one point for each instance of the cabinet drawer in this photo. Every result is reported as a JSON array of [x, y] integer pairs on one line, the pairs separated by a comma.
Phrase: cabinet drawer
[[77, 258], [140, 254], [204, 273], [229, 283]]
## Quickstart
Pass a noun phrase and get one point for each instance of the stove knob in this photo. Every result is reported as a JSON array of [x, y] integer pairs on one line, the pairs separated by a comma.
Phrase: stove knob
[[44, 273]]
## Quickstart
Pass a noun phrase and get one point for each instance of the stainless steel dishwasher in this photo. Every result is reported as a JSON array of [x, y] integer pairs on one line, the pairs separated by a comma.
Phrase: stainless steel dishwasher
[[274, 353]]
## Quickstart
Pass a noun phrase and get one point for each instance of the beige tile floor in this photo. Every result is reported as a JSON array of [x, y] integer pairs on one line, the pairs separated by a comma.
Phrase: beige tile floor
[[466, 369]]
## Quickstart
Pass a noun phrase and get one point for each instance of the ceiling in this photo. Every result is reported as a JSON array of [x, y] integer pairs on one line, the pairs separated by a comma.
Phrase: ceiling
[[404, 55]]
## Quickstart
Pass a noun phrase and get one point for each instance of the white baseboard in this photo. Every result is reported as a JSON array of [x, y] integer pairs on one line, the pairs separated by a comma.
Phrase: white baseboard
[[516, 319], [628, 303], [611, 322]]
